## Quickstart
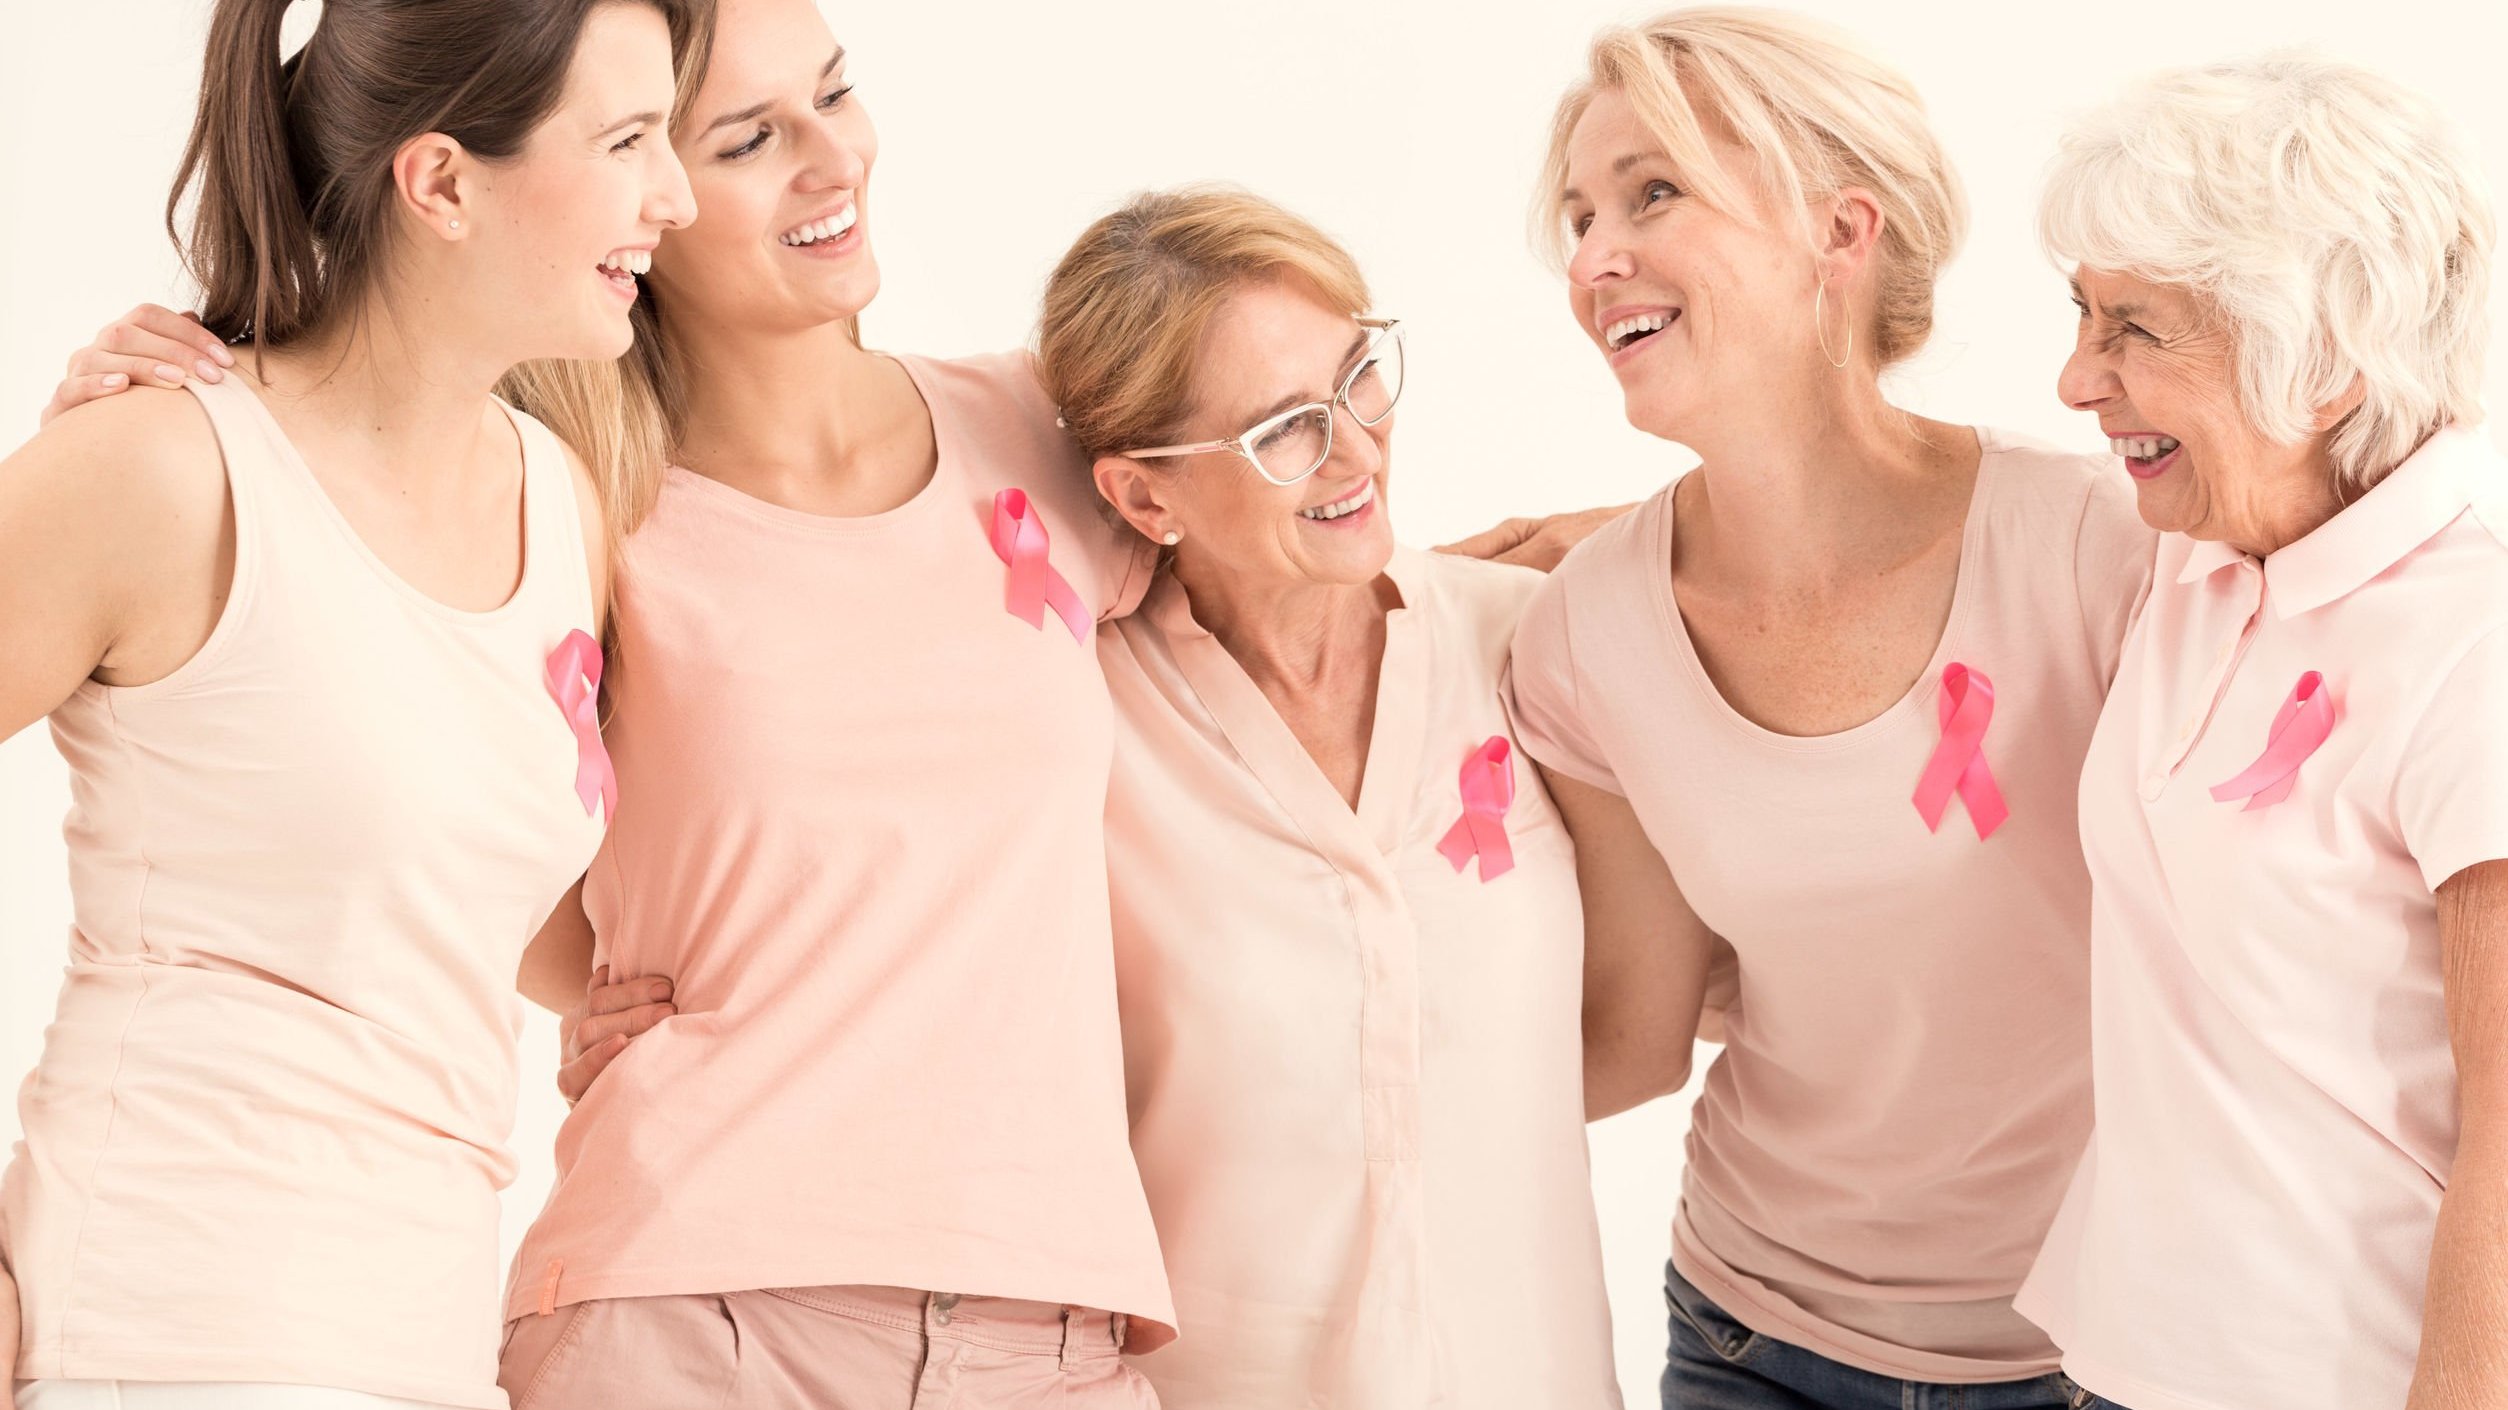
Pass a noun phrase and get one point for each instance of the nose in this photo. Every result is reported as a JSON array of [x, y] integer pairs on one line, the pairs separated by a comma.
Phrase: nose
[[1600, 256], [668, 201], [830, 159], [2088, 381], [1357, 448]]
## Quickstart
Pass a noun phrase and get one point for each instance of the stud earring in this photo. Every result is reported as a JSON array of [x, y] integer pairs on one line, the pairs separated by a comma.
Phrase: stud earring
[[452, 225], [1173, 538]]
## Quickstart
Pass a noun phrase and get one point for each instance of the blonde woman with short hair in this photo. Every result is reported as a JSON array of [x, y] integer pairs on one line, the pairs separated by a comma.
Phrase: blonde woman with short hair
[[1833, 689]]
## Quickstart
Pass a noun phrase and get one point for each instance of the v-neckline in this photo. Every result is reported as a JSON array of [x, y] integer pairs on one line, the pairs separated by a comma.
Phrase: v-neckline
[[1272, 752]]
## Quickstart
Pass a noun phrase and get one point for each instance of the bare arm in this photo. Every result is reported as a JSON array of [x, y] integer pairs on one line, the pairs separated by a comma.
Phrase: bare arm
[[1646, 954], [1536, 543], [2464, 1320]]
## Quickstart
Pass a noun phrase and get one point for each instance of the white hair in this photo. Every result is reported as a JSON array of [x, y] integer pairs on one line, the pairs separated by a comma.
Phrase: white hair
[[2326, 213]]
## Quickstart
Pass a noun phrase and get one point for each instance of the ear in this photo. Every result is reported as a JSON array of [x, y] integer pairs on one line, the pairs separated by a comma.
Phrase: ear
[[1849, 231], [432, 179], [2333, 413], [1137, 494]]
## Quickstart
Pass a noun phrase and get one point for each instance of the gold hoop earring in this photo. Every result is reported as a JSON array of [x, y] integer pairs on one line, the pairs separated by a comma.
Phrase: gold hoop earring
[[1820, 331]]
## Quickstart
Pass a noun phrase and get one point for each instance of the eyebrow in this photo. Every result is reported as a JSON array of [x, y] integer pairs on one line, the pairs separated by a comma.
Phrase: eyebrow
[[1618, 168], [1357, 345], [758, 110], [646, 118]]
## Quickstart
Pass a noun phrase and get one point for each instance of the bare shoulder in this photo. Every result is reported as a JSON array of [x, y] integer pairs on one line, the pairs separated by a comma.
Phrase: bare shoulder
[[146, 458]]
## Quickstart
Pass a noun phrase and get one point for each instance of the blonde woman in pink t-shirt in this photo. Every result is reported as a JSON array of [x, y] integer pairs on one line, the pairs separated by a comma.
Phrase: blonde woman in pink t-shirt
[[1827, 696]]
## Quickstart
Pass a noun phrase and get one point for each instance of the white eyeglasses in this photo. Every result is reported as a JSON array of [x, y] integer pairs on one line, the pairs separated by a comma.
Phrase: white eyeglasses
[[1287, 448]]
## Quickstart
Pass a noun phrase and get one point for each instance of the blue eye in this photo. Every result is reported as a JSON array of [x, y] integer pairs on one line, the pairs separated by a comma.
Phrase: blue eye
[[1665, 188]]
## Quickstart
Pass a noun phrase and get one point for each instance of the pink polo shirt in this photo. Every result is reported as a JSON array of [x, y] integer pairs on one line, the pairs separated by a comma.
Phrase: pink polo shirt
[[2252, 1223], [1356, 1072], [1905, 1082], [861, 827]]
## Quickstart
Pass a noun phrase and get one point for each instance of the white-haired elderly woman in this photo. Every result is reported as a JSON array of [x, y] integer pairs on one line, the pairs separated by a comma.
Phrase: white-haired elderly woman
[[2295, 806]]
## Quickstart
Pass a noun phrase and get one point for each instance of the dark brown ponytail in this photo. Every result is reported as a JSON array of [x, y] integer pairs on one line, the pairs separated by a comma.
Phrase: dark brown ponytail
[[290, 162]]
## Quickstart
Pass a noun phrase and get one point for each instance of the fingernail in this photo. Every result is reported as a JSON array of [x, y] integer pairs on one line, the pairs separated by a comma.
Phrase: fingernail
[[660, 990], [172, 376], [225, 358], [114, 379], [208, 371]]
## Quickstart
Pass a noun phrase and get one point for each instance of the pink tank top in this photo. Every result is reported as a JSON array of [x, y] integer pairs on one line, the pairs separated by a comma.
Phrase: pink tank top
[[266, 1135]]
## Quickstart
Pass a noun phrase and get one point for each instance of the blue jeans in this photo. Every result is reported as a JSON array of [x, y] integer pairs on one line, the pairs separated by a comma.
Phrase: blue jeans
[[1716, 1363]]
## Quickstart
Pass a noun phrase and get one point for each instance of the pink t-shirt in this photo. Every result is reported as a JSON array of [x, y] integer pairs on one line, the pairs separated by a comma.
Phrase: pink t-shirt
[[2277, 1098], [1904, 1087], [1357, 1073], [266, 1136], [862, 829]]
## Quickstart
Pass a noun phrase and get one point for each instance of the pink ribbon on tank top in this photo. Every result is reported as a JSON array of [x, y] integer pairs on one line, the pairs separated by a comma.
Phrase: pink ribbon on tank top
[[2299, 727], [1488, 791], [575, 683], [1019, 540], [1958, 762]]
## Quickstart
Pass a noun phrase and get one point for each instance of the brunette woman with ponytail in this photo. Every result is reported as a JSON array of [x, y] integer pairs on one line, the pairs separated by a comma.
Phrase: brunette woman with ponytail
[[314, 637]]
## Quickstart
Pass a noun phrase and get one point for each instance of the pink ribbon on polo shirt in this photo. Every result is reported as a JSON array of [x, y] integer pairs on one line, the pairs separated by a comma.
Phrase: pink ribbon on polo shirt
[[1959, 762], [1019, 540], [2299, 727], [1488, 791], [575, 683]]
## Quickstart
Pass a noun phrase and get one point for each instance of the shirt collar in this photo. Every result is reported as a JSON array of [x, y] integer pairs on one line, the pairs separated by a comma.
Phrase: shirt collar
[[2373, 533]]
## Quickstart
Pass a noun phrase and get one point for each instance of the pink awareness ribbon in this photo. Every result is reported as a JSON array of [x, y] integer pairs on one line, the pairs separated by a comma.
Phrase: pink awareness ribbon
[[1959, 761], [2299, 727], [1019, 540], [575, 683], [1488, 791]]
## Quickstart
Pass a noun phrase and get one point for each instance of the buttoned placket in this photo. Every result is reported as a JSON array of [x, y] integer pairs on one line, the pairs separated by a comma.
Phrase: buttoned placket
[[2205, 704]]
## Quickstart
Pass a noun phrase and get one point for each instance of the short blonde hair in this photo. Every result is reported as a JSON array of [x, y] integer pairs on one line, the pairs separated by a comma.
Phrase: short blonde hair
[[1126, 308], [2327, 215], [1816, 110]]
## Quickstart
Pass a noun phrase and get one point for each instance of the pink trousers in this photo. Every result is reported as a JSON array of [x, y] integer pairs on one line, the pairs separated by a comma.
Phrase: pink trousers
[[838, 1348]]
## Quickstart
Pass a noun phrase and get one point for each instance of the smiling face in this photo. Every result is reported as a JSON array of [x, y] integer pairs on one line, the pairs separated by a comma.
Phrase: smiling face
[[1271, 346], [2159, 369], [779, 153], [563, 226], [1697, 312]]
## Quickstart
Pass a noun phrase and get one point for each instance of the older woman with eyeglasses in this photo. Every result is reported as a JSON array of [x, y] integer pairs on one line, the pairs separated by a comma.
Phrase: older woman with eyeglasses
[[1347, 919], [2295, 807]]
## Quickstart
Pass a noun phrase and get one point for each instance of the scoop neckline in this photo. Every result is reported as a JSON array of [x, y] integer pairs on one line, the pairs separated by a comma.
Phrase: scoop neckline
[[944, 456], [1927, 682]]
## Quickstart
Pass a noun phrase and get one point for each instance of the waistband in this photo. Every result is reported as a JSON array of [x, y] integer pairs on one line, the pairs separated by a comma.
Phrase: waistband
[[1074, 1334]]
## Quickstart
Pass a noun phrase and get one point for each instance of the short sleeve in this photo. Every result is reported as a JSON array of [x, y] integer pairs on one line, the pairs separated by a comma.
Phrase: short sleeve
[[1541, 692], [2451, 785], [2112, 555]]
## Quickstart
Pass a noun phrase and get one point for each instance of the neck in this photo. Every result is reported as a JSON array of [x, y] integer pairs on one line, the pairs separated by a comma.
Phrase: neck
[[806, 399], [1294, 637], [2283, 520], [1827, 484], [404, 381]]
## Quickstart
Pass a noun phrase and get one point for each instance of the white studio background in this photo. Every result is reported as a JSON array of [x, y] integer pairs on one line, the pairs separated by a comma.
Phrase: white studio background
[[1409, 128]]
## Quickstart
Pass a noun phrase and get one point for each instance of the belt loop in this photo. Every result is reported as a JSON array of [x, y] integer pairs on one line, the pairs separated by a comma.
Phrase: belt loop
[[1071, 1321], [1122, 1327]]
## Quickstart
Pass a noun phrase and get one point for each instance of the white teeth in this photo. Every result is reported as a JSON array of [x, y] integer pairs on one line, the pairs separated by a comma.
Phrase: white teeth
[[1351, 505], [1622, 333], [818, 230], [629, 261], [2141, 447]]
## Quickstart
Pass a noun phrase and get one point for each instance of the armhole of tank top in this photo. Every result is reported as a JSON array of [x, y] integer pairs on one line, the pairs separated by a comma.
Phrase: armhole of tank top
[[555, 516], [229, 429]]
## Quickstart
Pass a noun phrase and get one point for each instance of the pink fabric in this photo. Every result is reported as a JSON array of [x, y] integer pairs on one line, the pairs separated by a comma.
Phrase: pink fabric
[[862, 831], [844, 1348], [266, 1135], [2276, 1091], [1356, 1074], [1904, 1087]]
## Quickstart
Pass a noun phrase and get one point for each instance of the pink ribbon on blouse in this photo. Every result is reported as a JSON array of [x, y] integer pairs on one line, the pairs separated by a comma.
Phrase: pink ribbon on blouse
[[1019, 540], [2299, 727], [575, 683], [1488, 791], [1959, 762]]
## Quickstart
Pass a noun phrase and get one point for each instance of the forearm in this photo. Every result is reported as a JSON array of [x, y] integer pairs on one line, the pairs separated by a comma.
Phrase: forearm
[[2464, 1320], [557, 966], [1625, 1069]]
